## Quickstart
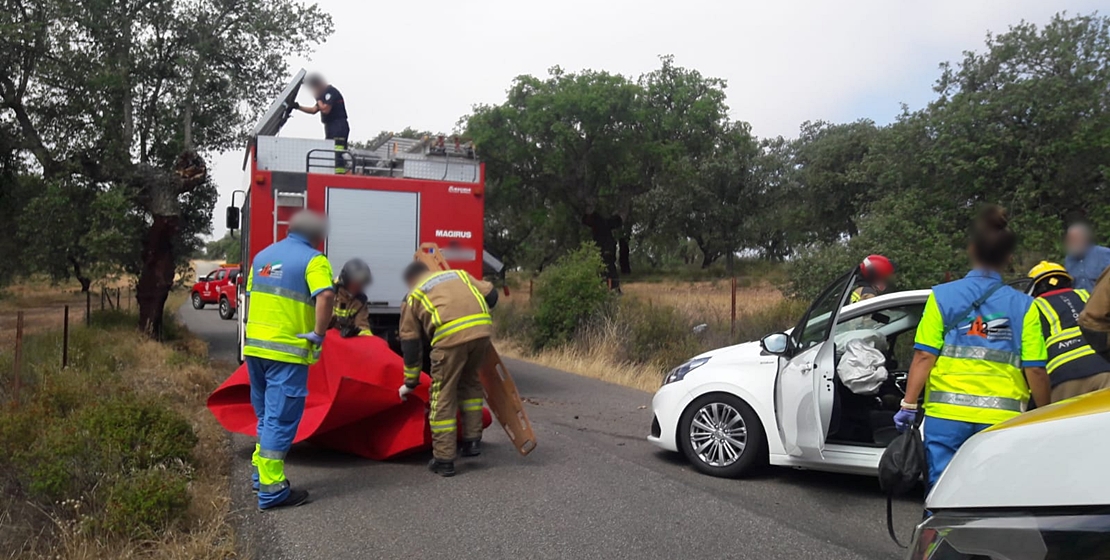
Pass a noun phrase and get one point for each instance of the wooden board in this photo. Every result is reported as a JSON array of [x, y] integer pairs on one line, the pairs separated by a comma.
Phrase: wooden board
[[502, 397], [429, 254], [505, 404]]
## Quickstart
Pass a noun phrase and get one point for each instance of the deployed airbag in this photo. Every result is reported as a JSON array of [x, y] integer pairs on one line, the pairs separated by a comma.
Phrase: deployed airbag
[[862, 369]]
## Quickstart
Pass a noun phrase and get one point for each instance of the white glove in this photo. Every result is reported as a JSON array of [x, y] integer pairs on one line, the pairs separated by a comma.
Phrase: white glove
[[404, 392]]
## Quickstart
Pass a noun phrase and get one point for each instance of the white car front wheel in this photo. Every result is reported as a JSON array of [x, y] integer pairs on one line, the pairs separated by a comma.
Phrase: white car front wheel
[[722, 436]]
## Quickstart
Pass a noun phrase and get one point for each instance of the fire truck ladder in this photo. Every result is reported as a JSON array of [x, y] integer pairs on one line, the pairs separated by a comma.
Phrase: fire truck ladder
[[283, 199]]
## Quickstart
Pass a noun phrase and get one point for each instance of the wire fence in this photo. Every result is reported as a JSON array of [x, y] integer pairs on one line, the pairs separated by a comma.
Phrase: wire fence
[[111, 299]]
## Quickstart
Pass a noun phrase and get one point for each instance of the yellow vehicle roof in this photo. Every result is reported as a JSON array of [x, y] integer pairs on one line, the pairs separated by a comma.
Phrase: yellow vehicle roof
[[1053, 456]]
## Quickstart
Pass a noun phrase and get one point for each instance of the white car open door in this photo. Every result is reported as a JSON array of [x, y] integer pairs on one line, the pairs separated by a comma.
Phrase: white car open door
[[804, 388]]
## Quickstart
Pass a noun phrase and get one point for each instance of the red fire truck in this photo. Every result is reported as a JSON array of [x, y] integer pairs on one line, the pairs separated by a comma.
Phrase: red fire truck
[[393, 197]]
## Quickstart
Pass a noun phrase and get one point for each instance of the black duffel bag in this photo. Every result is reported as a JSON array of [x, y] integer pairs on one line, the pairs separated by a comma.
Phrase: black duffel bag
[[901, 468]]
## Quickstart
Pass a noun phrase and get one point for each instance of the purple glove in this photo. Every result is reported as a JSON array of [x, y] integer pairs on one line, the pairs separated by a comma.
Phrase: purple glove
[[312, 337], [903, 419]]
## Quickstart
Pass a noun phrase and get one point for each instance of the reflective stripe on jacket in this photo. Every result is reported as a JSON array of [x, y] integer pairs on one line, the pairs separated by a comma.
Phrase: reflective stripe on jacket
[[351, 312], [1070, 357], [283, 283], [447, 307], [861, 293], [978, 374]]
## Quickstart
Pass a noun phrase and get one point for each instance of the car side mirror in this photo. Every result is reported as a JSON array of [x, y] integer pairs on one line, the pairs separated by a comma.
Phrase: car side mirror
[[232, 218], [777, 344]]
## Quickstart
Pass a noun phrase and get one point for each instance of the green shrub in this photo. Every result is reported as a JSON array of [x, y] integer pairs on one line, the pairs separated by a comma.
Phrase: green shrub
[[143, 504], [512, 321], [70, 456], [655, 334], [133, 434], [567, 293]]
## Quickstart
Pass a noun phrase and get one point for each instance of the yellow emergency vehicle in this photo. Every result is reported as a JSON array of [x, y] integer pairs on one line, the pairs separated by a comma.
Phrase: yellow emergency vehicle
[[1032, 488]]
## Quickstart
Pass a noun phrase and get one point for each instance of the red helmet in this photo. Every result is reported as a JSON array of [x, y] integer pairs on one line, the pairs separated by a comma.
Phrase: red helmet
[[875, 268]]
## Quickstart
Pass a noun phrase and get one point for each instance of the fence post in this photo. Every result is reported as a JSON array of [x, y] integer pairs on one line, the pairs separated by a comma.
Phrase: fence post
[[530, 281], [17, 365], [102, 298], [88, 308], [732, 327], [119, 291], [65, 338]]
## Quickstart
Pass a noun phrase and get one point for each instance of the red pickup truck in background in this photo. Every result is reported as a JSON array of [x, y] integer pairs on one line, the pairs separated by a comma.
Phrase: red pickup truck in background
[[209, 288], [229, 298]]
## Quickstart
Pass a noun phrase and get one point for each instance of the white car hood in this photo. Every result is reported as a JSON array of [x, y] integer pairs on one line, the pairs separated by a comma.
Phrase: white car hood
[[743, 352]]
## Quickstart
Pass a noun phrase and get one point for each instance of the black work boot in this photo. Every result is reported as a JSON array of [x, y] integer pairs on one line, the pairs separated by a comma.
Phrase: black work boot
[[471, 448], [295, 498], [442, 468]]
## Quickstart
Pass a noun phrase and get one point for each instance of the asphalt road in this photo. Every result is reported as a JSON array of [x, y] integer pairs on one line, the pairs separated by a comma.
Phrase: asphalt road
[[593, 488]]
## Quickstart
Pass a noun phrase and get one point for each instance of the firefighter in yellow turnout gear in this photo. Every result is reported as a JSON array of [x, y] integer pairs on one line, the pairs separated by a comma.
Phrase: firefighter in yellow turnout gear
[[1073, 366], [352, 313], [451, 310]]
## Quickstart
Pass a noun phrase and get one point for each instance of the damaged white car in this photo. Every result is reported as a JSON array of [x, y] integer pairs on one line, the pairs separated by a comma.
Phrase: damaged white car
[[820, 396]]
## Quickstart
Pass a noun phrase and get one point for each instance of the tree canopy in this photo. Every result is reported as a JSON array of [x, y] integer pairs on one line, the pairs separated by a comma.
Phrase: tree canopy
[[649, 167], [112, 104]]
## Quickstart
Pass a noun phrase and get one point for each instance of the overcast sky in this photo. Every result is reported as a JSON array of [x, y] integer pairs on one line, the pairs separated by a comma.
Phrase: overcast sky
[[425, 64]]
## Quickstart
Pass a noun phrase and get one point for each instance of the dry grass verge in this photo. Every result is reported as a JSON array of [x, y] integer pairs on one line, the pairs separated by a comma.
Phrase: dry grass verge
[[592, 361], [635, 340], [136, 510]]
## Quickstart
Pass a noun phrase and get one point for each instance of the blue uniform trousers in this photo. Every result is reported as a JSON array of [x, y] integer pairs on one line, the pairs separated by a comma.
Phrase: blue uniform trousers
[[942, 439], [278, 391]]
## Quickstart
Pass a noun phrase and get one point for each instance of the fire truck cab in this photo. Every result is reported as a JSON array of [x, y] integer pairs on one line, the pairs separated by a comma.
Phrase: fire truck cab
[[390, 199]]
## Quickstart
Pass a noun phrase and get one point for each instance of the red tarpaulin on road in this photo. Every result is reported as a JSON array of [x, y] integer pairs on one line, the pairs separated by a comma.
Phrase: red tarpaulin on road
[[352, 403]]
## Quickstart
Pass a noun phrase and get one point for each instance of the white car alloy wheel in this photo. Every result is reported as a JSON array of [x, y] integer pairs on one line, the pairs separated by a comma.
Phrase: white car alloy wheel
[[197, 302], [722, 436], [718, 434]]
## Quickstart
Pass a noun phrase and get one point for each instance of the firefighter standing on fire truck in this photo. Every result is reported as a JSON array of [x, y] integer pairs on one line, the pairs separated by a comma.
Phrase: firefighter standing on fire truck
[[451, 309], [352, 314], [333, 113], [291, 297]]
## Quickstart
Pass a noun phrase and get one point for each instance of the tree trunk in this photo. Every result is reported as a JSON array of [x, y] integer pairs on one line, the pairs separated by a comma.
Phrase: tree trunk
[[602, 232], [625, 262], [156, 277], [86, 282], [708, 259]]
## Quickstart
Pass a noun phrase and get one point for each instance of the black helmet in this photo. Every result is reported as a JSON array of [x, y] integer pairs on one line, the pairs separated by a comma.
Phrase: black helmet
[[355, 271]]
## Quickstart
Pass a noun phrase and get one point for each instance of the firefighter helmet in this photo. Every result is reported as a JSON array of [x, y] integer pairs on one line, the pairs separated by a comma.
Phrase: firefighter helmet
[[355, 271], [876, 268], [1049, 276]]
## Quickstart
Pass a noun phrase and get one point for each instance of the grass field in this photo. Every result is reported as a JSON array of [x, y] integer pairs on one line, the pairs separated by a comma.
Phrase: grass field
[[111, 364]]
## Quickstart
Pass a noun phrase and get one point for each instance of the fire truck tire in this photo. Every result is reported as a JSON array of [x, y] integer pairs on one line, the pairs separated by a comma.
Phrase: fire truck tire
[[197, 302], [226, 312]]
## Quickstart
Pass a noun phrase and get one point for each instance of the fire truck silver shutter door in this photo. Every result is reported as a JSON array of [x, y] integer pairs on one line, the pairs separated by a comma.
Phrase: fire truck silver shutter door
[[379, 227]]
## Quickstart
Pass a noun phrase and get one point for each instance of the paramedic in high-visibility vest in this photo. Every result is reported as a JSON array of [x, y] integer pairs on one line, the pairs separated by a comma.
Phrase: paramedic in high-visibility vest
[[976, 338], [1073, 366], [291, 296], [875, 272], [451, 309]]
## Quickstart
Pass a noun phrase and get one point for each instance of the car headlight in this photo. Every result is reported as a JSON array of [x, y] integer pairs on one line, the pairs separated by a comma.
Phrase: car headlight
[[679, 372]]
